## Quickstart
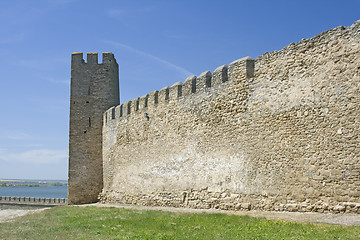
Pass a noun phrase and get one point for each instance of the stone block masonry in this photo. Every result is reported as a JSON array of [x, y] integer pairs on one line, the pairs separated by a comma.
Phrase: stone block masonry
[[94, 88], [276, 133]]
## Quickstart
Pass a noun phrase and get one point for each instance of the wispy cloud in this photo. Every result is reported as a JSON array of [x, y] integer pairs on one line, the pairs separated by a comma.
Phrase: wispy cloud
[[29, 63], [174, 35], [15, 135], [60, 2], [12, 39], [36, 156], [40, 64], [22, 13], [58, 80], [21, 16], [131, 17], [119, 13], [181, 70]]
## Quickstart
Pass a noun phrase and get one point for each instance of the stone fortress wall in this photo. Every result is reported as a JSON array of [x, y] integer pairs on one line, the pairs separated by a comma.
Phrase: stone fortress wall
[[94, 88], [277, 133]]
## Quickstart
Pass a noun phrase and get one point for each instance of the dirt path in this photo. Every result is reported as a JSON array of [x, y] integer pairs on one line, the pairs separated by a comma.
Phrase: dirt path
[[324, 218], [8, 213]]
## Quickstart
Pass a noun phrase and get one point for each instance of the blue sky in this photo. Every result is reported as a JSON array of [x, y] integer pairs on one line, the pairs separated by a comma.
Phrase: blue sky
[[155, 42]]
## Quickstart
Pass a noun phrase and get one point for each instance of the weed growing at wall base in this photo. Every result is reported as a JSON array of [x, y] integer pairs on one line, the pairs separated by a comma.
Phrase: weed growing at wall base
[[112, 223]]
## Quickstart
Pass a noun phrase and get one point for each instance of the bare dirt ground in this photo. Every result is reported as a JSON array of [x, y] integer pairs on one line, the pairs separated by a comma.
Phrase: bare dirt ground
[[9, 212], [308, 217]]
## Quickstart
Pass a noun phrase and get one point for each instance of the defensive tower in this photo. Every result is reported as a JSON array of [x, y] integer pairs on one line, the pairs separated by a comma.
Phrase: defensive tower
[[94, 89]]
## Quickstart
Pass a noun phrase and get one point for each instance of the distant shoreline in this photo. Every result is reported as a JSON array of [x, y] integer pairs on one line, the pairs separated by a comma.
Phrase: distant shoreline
[[31, 183]]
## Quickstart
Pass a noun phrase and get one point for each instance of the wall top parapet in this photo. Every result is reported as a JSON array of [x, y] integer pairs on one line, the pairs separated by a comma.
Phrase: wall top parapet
[[92, 58], [192, 85]]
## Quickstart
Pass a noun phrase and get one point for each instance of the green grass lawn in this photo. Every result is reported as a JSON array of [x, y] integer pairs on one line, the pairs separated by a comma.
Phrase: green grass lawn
[[113, 223]]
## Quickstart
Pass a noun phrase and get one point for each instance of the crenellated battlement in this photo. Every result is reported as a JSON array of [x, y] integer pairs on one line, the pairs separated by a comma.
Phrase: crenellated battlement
[[237, 71], [93, 58], [278, 133], [94, 88]]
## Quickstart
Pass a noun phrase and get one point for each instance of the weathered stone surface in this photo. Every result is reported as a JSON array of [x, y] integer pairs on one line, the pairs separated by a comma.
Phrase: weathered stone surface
[[94, 88], [276, 133]]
